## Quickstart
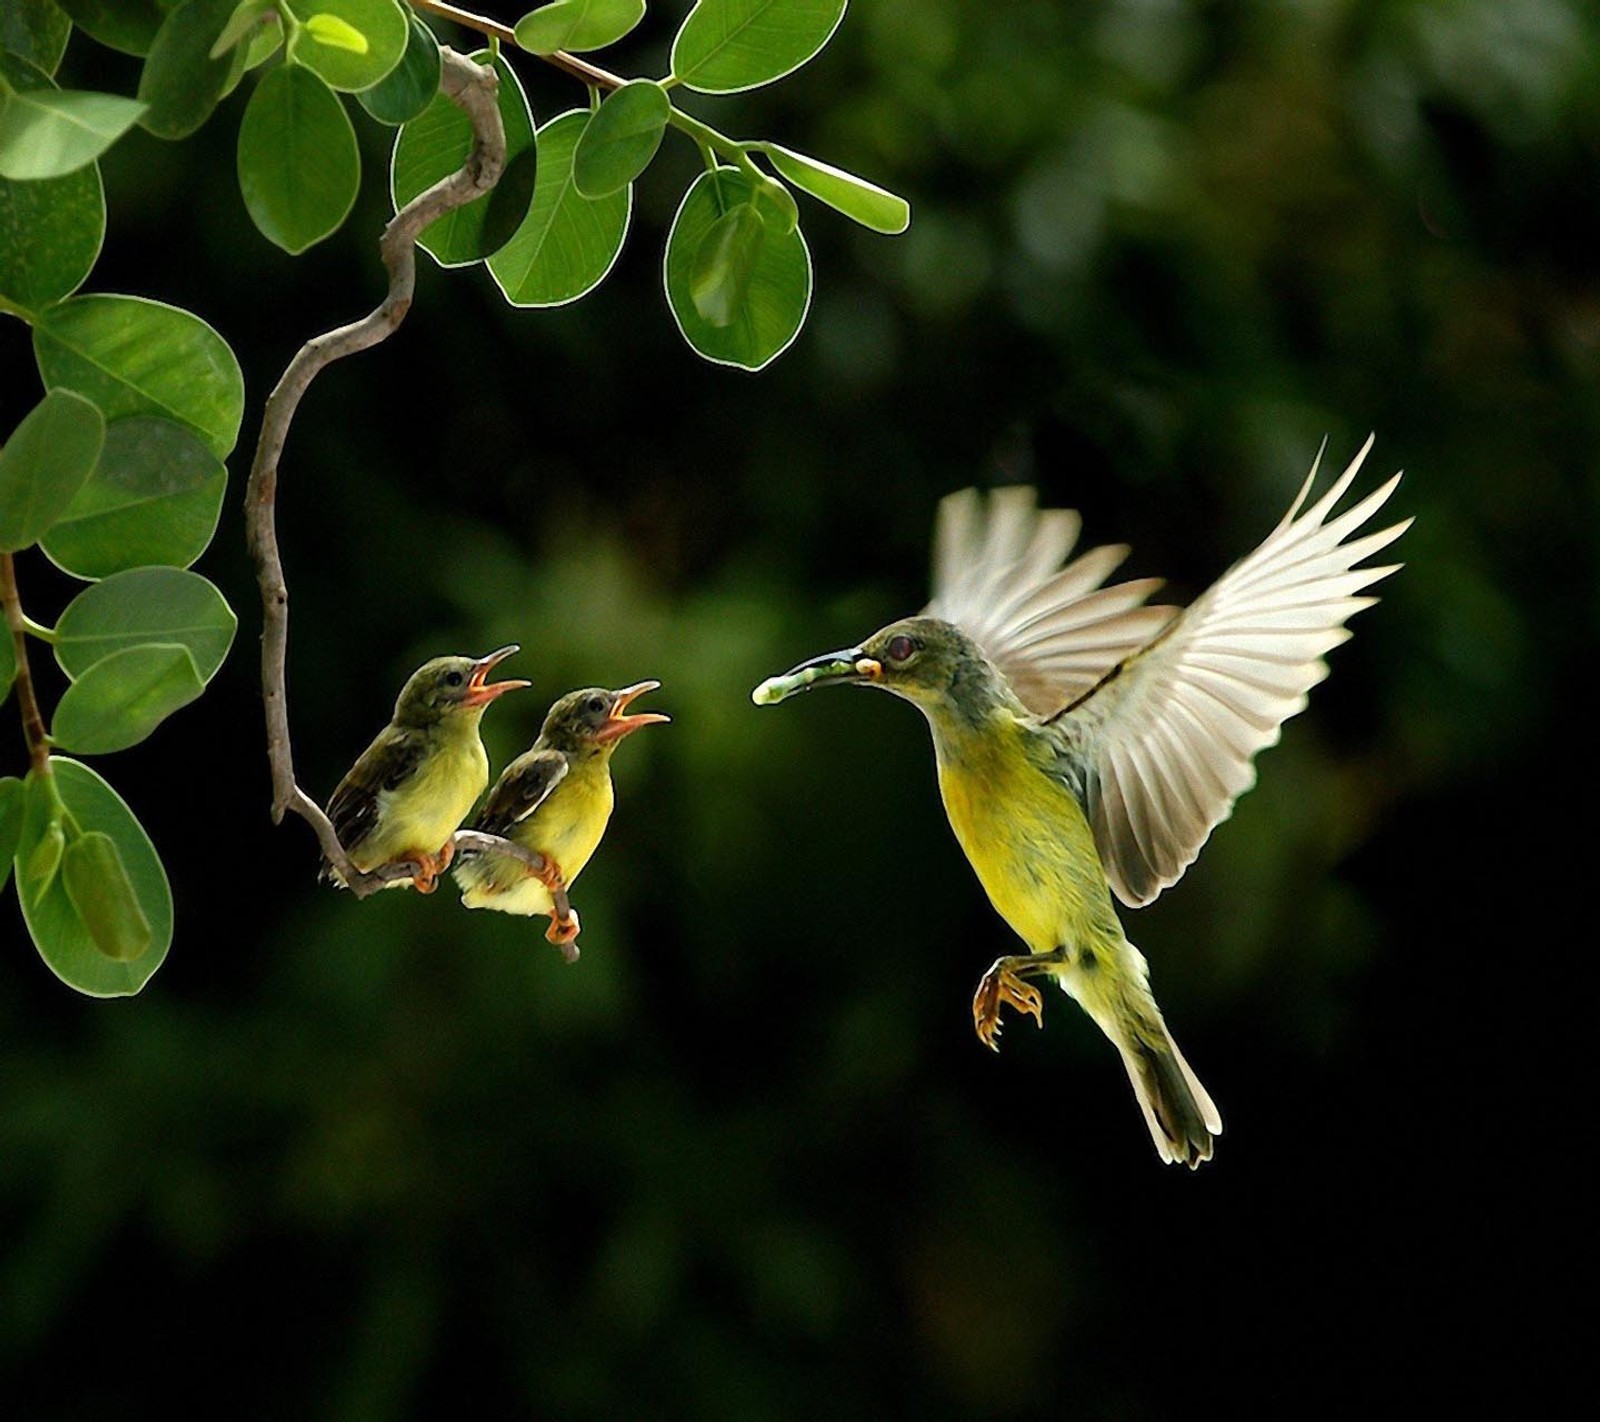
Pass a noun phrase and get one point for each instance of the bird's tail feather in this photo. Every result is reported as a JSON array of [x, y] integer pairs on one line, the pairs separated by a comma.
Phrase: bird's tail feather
[[1183, 1119]]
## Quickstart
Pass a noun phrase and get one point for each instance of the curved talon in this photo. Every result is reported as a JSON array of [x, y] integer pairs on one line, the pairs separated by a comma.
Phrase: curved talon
[[1001, 987], [447, 852], [550, 875], [563, 932]]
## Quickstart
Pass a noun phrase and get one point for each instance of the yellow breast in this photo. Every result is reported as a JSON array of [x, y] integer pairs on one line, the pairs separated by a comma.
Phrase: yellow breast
[[424, 812], [569, 825]]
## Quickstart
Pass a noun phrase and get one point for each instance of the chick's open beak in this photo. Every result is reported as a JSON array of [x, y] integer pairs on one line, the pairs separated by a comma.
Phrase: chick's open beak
[[851, 665], [617, 725], [480, 691]]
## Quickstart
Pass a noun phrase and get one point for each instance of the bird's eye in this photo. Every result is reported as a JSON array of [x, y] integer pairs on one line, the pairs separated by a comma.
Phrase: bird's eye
[[454, 678], [901, 648], [595, 705]]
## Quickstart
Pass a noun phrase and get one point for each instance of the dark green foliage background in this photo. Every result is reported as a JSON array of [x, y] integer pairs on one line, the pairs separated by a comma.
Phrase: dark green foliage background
[[746, 1160]]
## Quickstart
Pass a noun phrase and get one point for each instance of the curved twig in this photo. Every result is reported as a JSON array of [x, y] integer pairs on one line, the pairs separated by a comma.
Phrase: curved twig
[[15, 625], [473, 88]]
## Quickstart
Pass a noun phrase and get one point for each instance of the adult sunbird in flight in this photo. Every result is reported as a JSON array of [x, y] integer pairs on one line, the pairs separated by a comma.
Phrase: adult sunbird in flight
[[1087, 743], [555, 801], [404, 798]]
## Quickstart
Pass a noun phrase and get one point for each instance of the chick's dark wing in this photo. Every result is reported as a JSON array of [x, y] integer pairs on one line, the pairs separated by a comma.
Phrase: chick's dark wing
[[522, 787], [385, 765]]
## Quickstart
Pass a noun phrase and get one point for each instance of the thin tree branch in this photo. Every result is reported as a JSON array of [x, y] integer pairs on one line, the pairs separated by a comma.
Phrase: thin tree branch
[[567, 63], [473, 88], [33, 725]]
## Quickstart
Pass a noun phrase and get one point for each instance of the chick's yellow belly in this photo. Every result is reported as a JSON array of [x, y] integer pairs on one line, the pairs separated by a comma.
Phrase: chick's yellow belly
[[424, 812], [564, 831], [1031, 847]]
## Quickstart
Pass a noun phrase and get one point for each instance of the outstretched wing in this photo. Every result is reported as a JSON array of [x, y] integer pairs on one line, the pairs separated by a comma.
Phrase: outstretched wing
[[522, 787], [1051, 631], [1170, 735]]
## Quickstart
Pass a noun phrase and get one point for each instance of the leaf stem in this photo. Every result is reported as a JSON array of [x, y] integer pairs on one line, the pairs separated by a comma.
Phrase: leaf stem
[[34, 729], [472, 88], [39, 630]]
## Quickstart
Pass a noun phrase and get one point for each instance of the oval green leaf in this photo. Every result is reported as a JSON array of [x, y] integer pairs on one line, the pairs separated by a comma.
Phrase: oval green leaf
[[620, 138], [122, 698], [101, 893], [153, 499], [568, 242], [47, 133], [577, 25], [50, 231], [133, 356], [778, 293], [35, 30], [719, 276], [855, 197], [128, 25], [181, 81], [44, 463], [407, 89], [12, 798], [299, 167], [247, 14], [381, 24], [436, 143], [728, 45], [61, 936], [142, 607]]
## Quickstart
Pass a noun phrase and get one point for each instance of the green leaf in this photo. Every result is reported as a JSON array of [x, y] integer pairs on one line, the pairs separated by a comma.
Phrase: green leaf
[[382, 24], [181, 81], [35, 30], [568, 242], [122, 698], [144, 607], [778, 292], [728, 45], [101, 893], [776, 205], [61, 936], [436, 143], [47, 459], [133, 356], [407, 88], [128, 25], [47, 133], [50, 231], [621, 138], [299, 167], [577, 25], [153, 499], [42, 839], [255, 47], [12, 799], [247, 14], [855, 197], [725, 260]]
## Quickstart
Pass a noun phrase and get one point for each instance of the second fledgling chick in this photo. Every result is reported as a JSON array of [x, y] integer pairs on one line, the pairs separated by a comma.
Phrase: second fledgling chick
[[555, 801]]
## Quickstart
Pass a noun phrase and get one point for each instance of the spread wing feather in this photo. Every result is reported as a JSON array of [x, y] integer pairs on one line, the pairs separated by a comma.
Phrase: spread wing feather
[[1170, 737]]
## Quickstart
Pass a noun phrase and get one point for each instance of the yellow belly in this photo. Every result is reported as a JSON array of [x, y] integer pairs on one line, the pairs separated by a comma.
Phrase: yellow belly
[[566, 829], [424, 812]]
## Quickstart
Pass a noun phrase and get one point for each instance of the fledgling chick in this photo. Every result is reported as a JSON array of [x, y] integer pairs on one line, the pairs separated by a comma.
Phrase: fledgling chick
[[404, 798], [554, 801], [1088, 744]]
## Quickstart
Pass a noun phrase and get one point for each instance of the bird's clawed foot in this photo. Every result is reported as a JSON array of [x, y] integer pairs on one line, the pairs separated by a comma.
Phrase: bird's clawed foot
[[563, 932], [1001, 987]]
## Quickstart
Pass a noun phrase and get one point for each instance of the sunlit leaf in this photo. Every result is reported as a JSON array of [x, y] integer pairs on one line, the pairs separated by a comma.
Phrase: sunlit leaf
[[620, 138], [777, 294], [776, 205], [122, 698], [381, 25], [246, 16], [181, 81], [35, 30], [153, 499], [855, 197], [436, 143], [45, 461], [47, 133], [407, 89], [61, 936], [577, 25], [728, 45], [568, 243], [725, 260], [299, 167], [42, 840], [145, 606], [133, 356], [98, 887]]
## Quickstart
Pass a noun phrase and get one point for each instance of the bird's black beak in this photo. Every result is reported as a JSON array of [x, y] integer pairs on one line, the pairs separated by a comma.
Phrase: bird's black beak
[[480, 691], [851, 665]]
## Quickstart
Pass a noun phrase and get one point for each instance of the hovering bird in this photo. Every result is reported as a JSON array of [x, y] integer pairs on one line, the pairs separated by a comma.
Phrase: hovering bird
[[402, 801], [554, 801], [1087, 744]]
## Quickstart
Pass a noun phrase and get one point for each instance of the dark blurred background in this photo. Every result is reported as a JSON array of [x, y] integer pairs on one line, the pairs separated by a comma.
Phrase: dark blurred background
[[746, 1160]]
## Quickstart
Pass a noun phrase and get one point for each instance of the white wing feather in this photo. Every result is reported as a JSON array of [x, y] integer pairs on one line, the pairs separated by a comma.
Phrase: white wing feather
[[1170, 738]]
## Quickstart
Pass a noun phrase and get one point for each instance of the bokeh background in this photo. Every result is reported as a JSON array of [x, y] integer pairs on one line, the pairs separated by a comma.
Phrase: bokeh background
[[746, 1161]]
